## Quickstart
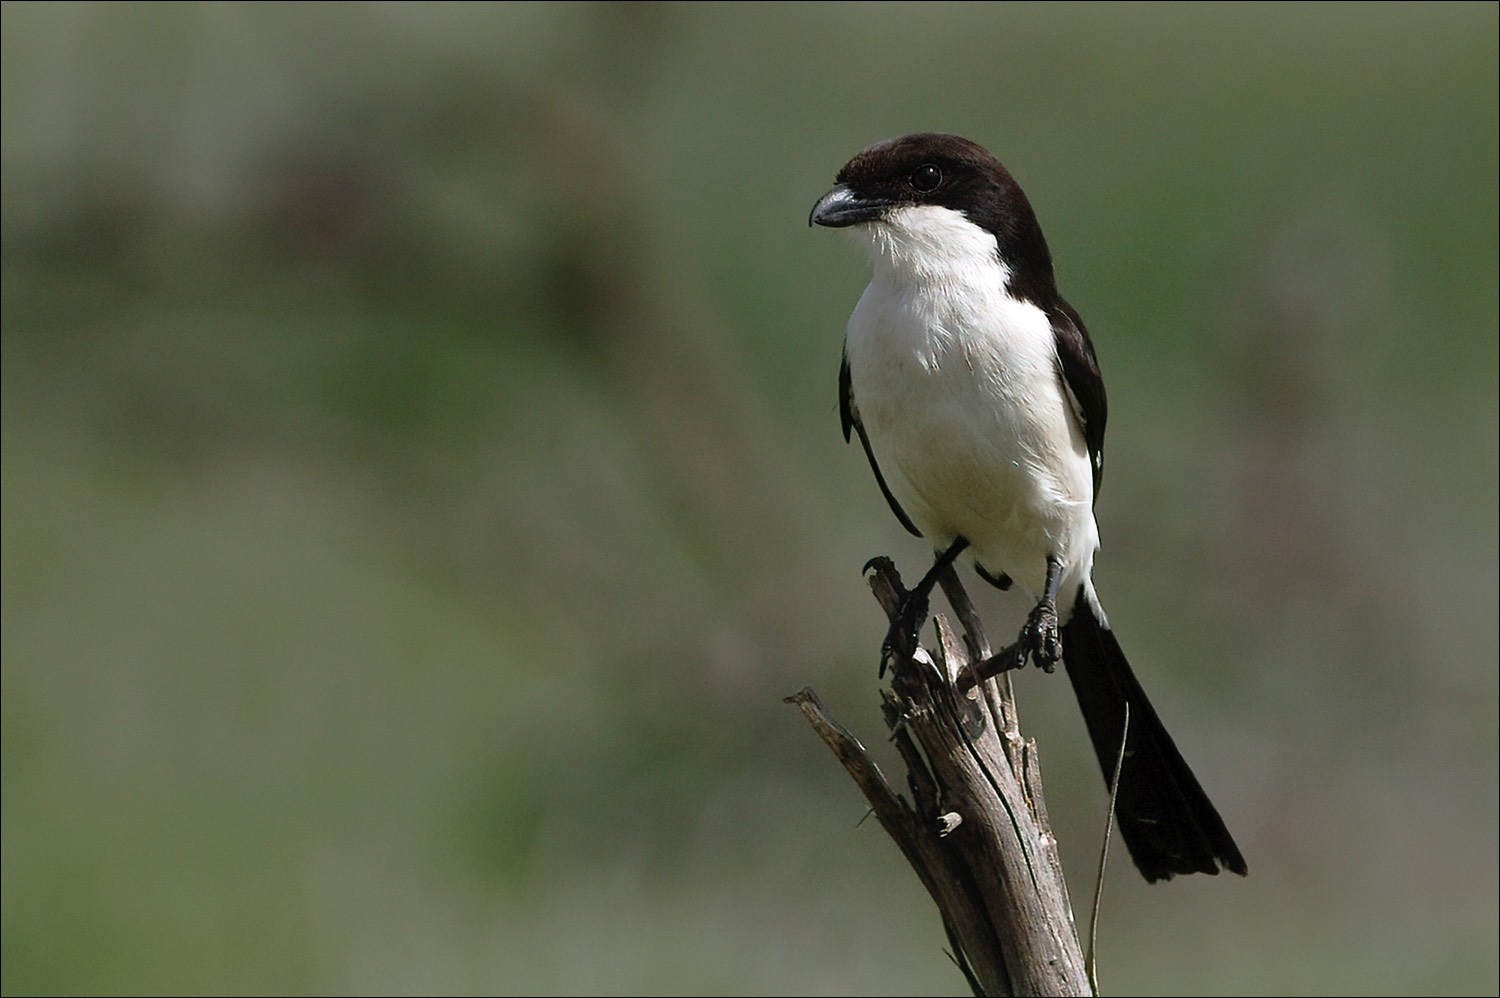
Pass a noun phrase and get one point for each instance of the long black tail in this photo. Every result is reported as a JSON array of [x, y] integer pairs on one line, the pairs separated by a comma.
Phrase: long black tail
[[1167, 820]]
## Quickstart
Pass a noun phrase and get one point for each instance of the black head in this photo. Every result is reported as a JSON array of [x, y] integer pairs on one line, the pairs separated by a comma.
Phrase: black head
[[944, 171]]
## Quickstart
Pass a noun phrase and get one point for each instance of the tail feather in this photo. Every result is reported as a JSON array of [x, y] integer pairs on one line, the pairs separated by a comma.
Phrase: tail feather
[[1167, 821]]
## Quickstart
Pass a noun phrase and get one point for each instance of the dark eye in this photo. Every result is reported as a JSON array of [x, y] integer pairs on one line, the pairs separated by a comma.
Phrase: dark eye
[[926, 179]]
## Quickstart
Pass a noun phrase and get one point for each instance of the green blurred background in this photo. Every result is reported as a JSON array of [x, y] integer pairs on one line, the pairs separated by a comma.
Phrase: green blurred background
[[422, 481]]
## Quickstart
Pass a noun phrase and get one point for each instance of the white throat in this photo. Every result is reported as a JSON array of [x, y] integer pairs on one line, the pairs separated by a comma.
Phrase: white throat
[[927, 243], [937, 282]]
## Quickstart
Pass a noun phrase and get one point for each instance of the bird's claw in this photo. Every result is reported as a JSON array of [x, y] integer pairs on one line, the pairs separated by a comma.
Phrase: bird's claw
[[911, 611], [1041, 637], [905, 625]]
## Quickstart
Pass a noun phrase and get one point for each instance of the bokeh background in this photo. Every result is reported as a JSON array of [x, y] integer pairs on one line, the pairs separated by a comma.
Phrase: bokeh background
[[422, 481]]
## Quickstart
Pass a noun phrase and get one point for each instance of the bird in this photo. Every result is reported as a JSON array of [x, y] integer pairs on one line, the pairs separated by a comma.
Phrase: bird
[[975, 392]]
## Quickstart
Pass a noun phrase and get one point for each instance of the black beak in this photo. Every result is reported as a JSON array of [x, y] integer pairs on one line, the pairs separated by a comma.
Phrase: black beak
[[841, 207]]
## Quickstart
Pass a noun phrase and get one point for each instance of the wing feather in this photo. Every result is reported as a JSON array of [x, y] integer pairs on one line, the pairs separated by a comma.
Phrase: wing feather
[[1079, 369]]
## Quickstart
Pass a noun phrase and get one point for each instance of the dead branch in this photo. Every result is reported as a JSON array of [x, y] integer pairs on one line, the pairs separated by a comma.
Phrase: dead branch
[[975, 826]]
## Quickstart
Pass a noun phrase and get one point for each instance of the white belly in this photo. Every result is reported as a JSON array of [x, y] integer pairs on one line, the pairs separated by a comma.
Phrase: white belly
[[964, 406]]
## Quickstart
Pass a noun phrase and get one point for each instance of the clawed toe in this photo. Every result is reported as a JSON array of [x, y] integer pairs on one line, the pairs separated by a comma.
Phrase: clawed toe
[[911, 611], [1041, 637], [904, 627]]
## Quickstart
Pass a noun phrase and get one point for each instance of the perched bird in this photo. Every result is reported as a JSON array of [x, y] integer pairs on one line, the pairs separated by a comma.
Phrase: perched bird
[[975, 393]]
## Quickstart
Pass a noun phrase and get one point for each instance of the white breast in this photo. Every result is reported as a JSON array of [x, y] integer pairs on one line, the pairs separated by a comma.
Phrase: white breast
[[959, 390]]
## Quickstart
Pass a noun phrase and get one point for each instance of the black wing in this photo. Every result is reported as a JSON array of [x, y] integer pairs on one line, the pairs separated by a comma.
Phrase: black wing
[[849, 415], [1084, 384]]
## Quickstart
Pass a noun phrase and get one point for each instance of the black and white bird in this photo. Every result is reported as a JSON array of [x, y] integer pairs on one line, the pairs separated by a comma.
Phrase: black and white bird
[[975, 393]]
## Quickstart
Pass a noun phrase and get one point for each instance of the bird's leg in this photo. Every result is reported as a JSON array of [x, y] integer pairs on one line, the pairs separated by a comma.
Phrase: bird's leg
[[1039, 638], [908, 619]]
